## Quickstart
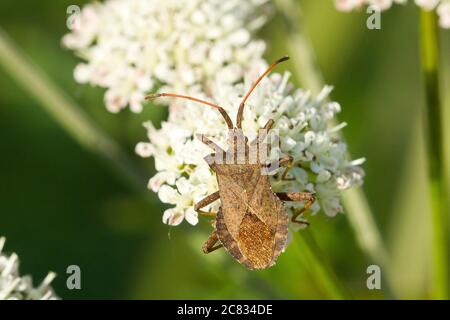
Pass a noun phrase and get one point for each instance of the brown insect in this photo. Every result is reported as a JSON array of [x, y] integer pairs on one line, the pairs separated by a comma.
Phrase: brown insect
[[252, 223]]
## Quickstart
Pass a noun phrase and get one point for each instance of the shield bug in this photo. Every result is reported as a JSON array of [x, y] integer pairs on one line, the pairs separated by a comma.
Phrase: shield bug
[[251, 223]]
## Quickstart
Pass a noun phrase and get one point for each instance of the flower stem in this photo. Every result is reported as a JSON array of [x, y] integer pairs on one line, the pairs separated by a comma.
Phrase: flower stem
[[318, 265], [436, 163], [355, 201], [65, 111], [304, 60]]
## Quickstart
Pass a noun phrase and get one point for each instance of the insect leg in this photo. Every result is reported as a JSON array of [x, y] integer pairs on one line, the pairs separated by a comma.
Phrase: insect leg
[[299, 213], [207, 213], [219, 154], [209, 245], [307, 198], [263, 133], [210, 143], [285, 161], [204, 202]]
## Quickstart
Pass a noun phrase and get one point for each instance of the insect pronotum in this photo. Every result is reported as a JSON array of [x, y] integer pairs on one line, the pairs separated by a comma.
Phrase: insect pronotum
[[251, 223]]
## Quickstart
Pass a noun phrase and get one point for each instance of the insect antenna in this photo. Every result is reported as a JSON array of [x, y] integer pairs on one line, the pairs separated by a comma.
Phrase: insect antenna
[[215, 106], [241, 106]]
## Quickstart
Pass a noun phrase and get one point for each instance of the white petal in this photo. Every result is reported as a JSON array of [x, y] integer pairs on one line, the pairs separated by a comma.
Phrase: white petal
[[324, 175], [427, 4], [168, 195], [172, 217], [183, 186], [82, 73], [191, 216], [144, 149], [157, 181], [444, 14]]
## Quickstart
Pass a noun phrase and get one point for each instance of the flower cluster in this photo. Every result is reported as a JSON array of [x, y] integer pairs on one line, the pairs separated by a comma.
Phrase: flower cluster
[[131, 47], [16, 287], [302, 122], [205, 49], [441, 6]]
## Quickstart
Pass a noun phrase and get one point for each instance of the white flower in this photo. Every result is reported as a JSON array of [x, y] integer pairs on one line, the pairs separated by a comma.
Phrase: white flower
[[442, 7], [16, 287], [303, 124], [427, 4], [444, 14], [349, 5], [131, 47]]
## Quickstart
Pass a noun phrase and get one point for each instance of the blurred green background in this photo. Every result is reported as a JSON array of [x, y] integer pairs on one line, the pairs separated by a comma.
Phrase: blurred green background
[[62, 205]]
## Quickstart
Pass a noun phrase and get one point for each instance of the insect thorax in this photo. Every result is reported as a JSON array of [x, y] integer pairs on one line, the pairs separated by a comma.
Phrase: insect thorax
[[240, 151]]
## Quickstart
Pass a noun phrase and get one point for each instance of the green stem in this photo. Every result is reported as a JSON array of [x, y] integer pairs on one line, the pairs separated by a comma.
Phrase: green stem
[[304, 61], [436, 163], [317, 265], [65, 111], [355, 201]]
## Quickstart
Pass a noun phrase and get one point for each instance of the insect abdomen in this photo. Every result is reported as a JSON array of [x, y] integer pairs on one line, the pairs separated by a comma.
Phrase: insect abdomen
[[256, 241], [256, 246], [229, 243]]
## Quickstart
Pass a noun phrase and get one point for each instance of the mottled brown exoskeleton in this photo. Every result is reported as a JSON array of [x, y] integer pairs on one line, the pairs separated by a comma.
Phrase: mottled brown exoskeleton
[[252, 223]]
